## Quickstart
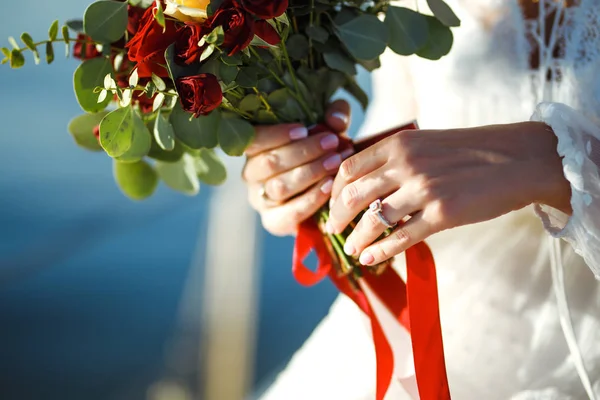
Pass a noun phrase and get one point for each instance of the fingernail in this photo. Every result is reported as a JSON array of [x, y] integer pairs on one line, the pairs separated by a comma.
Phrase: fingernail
[[349, 249], [366, 258], [331, 201], [332, 162], [329, 227], [347, 153], [330, 142], [327, 186], [298, 133], [341, 116]]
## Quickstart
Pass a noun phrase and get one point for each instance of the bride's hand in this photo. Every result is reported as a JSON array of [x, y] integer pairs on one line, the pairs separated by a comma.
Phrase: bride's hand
[[437, 180], [290, 175]]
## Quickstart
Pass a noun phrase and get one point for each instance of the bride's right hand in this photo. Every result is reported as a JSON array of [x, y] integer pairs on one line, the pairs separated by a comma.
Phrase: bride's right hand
[[294, 171]]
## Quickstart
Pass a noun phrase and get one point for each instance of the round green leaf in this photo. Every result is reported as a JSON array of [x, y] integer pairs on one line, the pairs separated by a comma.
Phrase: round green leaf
[[141, 142], [210, 168], [136, 180], [106, 20], [443, 12], [196, 133], [364, 36], [409, 30], [250, 103], [235, 135], [181, 175], [297, 46], [317, 33], [82, 130], [89, 75], [163, 133], [439, 42], [340, 62], [116, 132], [167, 156]]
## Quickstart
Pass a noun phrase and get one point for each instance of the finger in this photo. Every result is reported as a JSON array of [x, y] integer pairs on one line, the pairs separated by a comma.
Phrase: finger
[[357, 196], [289, 184], [274, 162], [394, 208], [272, 136], [284, 220], [337, 116], [412, 232], [357, 166]]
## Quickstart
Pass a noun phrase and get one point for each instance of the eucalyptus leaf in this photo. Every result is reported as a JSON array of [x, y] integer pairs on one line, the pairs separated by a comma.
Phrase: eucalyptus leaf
[[167, 156], [357, 92], [181, 175], [235, 134], [28, 40], [250, 103], [209, 168], [317, 33], [136, 180], [443, 12], [53, 31], [75, 25], [49, 53], [409, 30], [17, 60], [106, 21], [116, 131], [297, 46], [89, 75], [247, 77], [340, 62], [365, 36], [439, 42], [141, 143], [164, 135], [198, 132], [82, 130]]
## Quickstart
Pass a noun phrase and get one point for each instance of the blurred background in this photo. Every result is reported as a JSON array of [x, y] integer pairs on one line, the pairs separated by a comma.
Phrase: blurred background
[[104, 298]]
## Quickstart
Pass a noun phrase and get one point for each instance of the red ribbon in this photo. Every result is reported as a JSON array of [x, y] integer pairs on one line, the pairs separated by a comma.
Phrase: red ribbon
[[419, 295]]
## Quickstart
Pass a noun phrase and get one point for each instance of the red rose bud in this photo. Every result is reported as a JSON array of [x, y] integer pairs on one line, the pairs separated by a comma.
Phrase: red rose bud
[[199, 94], [237, 24], [84, 49], [266, 32], [266, 9], [187, 50], [135, 15], [96, 131], [147, 47]]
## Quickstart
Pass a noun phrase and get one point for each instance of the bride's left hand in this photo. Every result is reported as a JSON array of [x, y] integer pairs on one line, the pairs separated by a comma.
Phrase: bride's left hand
[[437, 180]]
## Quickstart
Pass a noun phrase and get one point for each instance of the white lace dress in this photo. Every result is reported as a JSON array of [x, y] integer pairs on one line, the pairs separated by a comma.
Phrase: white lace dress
[[503, 291]]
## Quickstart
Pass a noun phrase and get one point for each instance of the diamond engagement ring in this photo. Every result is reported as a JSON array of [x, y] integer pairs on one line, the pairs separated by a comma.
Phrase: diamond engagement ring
[[376, 208]]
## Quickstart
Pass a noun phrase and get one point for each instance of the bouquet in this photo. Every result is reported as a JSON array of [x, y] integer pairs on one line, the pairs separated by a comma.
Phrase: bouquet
[[164, 83]]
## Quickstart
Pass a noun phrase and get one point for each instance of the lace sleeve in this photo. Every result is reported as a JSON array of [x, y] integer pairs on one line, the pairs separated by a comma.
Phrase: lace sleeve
[[579, 146]]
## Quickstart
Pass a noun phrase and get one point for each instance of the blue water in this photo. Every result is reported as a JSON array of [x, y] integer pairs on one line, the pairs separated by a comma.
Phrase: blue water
[[90, 282]]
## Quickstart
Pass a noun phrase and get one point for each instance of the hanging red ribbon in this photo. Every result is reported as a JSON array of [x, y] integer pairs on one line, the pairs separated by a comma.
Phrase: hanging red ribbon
[[418, 295]]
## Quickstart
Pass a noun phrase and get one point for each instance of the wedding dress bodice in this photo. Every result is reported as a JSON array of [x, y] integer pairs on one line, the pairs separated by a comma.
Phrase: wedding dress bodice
[[501, 319]]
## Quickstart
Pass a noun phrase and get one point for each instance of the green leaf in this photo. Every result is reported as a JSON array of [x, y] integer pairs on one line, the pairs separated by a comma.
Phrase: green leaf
[[266, 117], [209, 167], [89, 75], [216, 37], [181, 175], [141, 143], [340, 62], [159, 16], [250, 103], [163, 133], [6, 52], [136, 180], [364, 36], [49, 52], [28, 40], [53, 31], [443, 12], [16, 59], [82, 130], [123, 134], [439, 42], [297, 46], [75, 25], [167, 156], [357, 92], [13, 42], [232, 60], [247, 77], [67, 39], [317, 33], [235, 134], [227, 73], [409, 30], [159, 82], [198, 132], [105, 21]]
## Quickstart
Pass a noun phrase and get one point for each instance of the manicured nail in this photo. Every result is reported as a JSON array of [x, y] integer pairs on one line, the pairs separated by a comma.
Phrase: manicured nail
[[327, 186], [330, 142], [347, 153], [349, 249], [366, 258], [298, 133], [333, 162], [341, 116], [329, 227]]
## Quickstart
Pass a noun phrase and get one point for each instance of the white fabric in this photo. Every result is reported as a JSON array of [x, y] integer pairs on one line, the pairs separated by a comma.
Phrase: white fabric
[[500, 318]]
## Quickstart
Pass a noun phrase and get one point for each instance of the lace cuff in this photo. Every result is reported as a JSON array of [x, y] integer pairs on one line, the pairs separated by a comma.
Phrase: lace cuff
[[579, 146]]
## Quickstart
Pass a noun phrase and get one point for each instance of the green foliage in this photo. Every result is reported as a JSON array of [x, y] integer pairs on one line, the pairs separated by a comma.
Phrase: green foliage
[[439, 41], [17, 60], [67, 39], [88, 76], [209, 168], [164, 133], [196, 133], [105, 21], [53, 31], [49, 53], [123, 135], [443, 12], [408, 29], [235, 134], [180, 175], [340, 62], [82, 130], [136, 180], [365, 36]]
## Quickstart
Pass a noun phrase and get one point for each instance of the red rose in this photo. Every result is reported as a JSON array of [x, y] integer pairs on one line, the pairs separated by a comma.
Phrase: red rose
[[187, 50], [147, 47], [135, 15], [237, 24], [199, 94], [266, 32], [84, 48], [266, 9]]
